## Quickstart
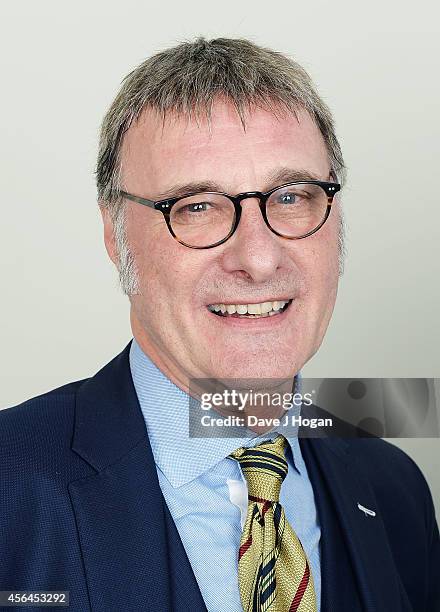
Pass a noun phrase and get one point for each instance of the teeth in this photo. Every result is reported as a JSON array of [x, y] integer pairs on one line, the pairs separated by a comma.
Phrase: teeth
[[254, 309], [266, 307], [263, 308]]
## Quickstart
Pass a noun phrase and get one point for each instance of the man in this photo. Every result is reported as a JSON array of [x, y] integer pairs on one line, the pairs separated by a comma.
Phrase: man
[[218, 179]]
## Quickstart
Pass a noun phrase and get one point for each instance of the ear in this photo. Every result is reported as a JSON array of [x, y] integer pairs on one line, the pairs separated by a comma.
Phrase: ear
[[109, 235]]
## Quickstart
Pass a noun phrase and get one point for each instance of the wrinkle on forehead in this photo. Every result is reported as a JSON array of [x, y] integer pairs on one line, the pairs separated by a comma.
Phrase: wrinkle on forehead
[[200, 121], [162, 153]]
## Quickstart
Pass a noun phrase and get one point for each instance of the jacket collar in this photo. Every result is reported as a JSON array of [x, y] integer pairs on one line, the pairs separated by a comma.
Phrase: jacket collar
[[108, 419], [132, 553]]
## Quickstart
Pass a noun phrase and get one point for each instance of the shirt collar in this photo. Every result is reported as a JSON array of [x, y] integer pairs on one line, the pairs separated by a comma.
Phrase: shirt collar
[[165, 409]]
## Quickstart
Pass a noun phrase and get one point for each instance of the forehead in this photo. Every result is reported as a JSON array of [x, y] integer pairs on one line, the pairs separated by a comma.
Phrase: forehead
[[158, 154]]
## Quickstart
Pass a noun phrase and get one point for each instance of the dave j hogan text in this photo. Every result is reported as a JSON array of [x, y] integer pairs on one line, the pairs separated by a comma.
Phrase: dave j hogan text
[[254, 421]]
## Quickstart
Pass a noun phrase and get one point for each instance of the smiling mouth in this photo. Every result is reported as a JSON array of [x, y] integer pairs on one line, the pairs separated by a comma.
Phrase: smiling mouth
[[250, 311]]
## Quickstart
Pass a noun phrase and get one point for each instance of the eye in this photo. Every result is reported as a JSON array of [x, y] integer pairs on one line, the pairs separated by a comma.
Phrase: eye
[[199, 207], [194, 207], [288, 197], [298, 195]]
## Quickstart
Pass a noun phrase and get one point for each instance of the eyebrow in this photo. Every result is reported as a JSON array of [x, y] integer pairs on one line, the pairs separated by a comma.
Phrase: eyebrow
[[274, 178]]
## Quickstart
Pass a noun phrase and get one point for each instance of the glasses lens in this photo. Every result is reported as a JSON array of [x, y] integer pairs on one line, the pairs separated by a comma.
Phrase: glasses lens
[[296, 210], [202, 220]]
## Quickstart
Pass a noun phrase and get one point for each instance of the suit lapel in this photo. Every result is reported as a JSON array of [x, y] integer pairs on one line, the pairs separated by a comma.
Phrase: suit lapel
[[379, 585], [133, 556], [336, 594]]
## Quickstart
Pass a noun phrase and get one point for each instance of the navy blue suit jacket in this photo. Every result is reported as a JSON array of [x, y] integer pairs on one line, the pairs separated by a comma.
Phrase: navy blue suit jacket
[[81, 510]]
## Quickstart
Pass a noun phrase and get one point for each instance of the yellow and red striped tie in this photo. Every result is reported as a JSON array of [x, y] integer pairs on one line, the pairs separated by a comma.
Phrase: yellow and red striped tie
[[273, 570]]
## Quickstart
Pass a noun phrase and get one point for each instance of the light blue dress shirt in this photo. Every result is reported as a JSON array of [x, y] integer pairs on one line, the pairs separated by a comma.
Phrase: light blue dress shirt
[[206, 492]]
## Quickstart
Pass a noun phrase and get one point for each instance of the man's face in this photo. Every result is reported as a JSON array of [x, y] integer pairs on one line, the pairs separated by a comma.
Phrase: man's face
[[170, 317]]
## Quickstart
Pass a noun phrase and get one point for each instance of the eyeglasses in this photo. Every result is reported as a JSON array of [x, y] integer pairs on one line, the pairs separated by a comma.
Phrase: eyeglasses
[[206, 219]]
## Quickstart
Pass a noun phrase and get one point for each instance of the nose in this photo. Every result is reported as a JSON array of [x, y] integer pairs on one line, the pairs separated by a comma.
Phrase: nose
[[253, 250]]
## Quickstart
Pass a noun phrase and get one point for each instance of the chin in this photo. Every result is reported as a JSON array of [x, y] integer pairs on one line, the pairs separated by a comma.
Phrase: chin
[[255, 371]]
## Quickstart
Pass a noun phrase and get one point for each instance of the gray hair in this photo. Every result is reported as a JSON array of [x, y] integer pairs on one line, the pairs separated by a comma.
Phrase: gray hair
[[186, 80]]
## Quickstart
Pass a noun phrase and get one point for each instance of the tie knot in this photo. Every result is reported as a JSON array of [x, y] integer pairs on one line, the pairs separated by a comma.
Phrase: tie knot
[[264, 467]]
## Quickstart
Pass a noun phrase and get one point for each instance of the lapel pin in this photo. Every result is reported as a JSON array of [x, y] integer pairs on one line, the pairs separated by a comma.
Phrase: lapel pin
[[367, 511]]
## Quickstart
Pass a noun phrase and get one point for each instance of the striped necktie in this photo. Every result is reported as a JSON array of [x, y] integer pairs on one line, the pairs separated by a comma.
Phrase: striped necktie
[[273, 570]]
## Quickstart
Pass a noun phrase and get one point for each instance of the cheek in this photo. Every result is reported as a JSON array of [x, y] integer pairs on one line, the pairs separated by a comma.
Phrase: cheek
[[320, 268], [167, 275], [159, 281], [150, 246], [326, 287]]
